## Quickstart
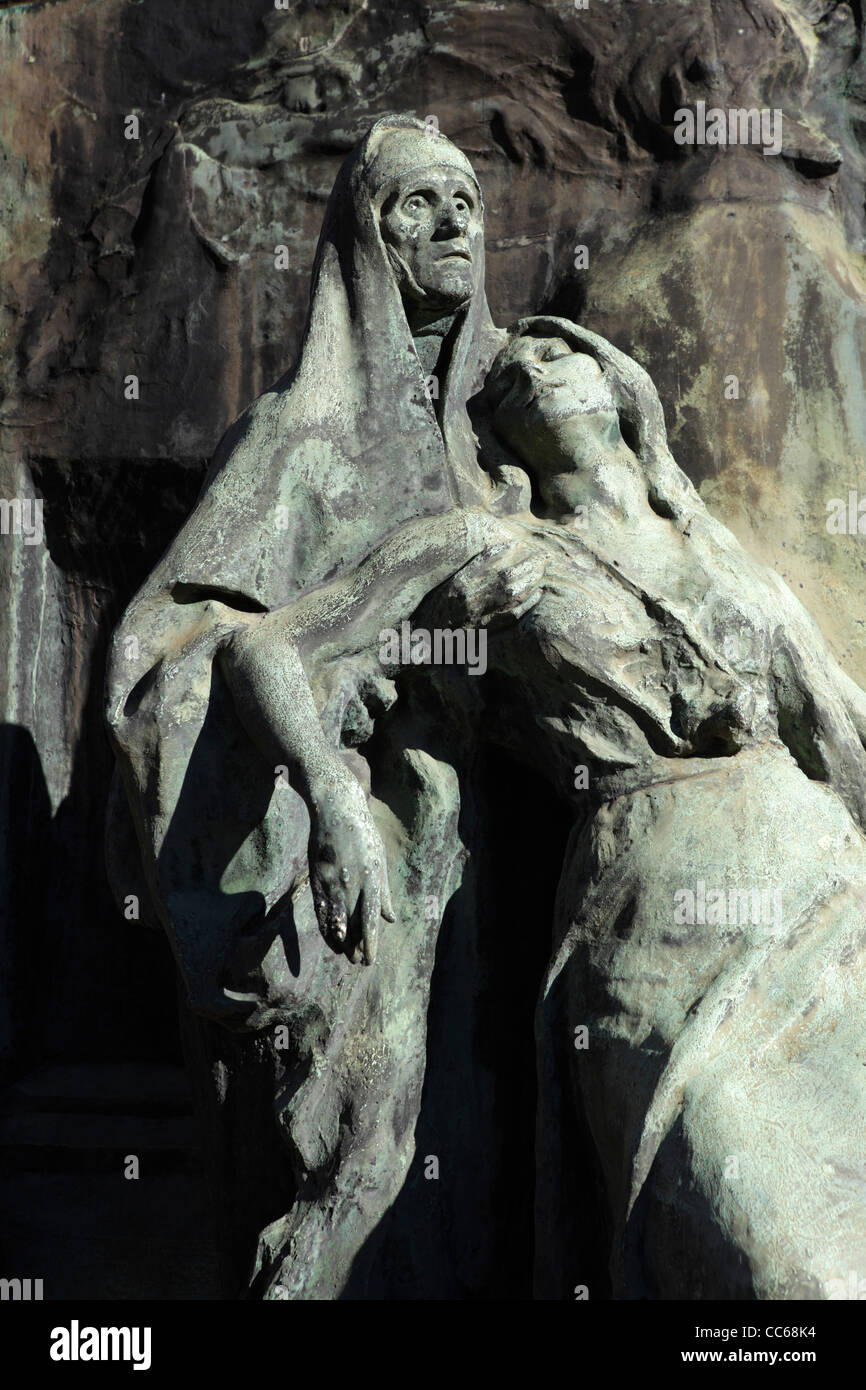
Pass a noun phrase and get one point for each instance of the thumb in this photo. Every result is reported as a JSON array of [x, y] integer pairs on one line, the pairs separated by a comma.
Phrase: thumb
[[387, 907]]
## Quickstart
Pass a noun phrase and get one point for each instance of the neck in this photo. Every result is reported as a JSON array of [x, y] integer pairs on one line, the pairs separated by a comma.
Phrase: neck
[[424, 319], [429, 328], [612, 491]]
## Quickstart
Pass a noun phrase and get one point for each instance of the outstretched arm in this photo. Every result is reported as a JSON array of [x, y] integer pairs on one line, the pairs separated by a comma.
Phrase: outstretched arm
[[348, 870], [272, 664], [347, 615]]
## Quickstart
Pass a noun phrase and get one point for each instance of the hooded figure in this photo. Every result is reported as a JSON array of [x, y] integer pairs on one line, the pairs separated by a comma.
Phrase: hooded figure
[[342, 452], [317, 472]]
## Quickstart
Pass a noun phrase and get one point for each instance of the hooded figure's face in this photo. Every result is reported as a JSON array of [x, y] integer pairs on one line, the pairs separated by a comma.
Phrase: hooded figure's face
[[431, 223]]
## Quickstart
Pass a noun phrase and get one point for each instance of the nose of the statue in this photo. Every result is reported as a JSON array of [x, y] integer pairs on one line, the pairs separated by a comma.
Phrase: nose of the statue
[[526, 377], [450, 224]]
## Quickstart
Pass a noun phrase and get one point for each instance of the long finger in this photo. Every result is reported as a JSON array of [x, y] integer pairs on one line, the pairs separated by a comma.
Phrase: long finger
[[338, 924], [369, 908], [529, 602], [387, 907], [320, 906]]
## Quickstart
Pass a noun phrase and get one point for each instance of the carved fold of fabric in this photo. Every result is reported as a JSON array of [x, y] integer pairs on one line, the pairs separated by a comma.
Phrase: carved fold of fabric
[[714, 950], [338, 454]]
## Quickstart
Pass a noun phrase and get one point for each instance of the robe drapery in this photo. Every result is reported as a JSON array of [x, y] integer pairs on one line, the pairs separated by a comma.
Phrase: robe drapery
[[313, 475], [305, 484], [701, 1097]]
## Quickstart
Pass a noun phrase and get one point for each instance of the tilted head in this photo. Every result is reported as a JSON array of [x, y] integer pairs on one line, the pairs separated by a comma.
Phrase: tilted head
[[551, 405], [564, 400]]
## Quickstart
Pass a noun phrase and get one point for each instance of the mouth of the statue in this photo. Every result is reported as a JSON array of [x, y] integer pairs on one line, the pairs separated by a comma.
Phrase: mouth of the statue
[[455, 256]]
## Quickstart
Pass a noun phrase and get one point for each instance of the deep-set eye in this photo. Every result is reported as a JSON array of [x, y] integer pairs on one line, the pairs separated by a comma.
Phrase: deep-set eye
[[461, 205], [416, 202]]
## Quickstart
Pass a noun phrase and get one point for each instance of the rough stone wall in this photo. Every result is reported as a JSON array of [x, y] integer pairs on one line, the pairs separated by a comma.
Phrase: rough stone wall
[[154, 256]]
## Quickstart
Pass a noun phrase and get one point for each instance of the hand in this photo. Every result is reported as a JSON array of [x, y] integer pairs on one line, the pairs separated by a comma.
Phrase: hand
[[348, 867], [501, 584]]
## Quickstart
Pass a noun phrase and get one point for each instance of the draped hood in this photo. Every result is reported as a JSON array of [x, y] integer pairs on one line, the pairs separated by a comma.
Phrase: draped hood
[[341, 451]]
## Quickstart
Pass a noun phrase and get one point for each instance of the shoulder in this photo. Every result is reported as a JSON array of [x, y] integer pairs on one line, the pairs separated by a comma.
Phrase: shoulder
[[260, 420]]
